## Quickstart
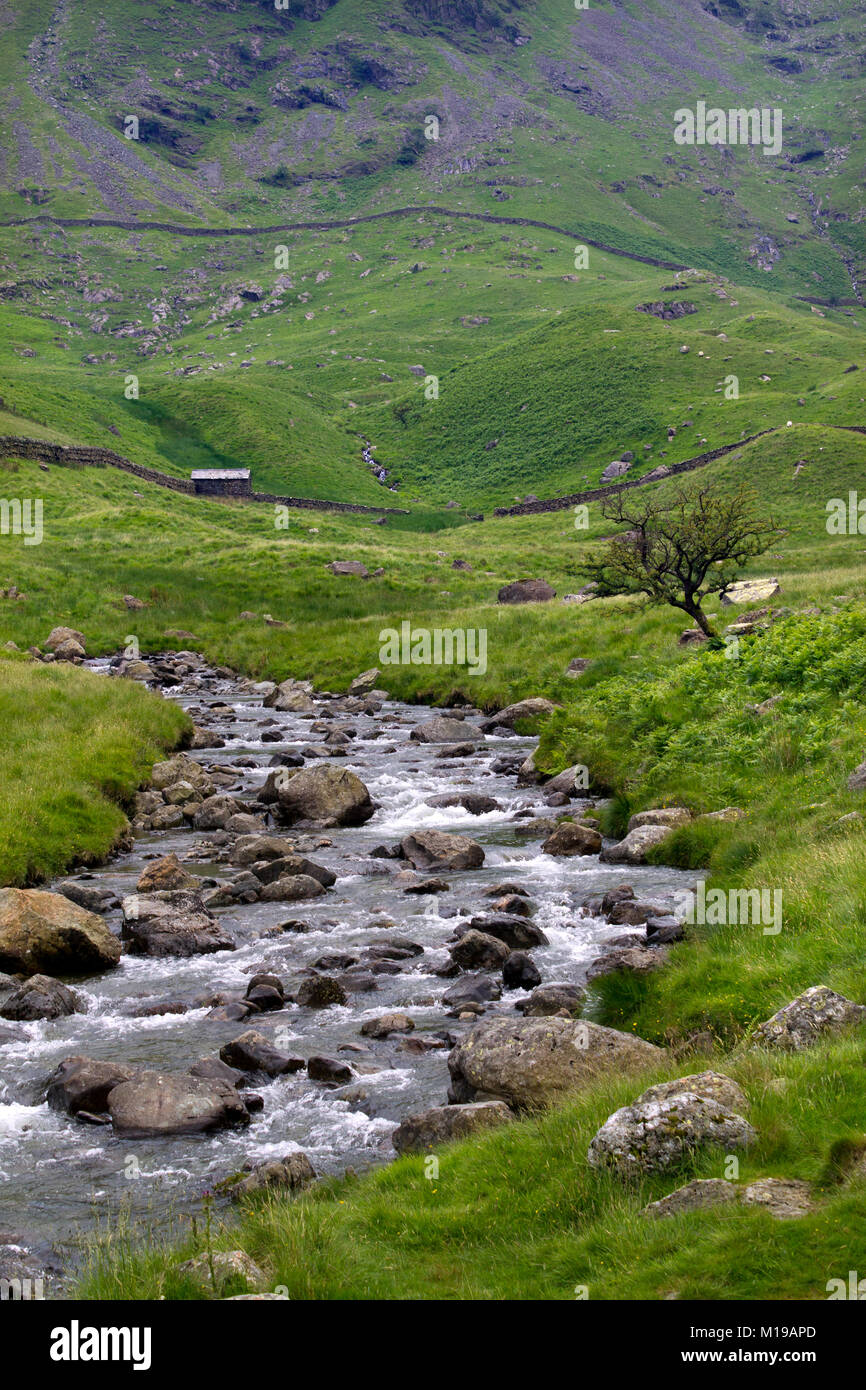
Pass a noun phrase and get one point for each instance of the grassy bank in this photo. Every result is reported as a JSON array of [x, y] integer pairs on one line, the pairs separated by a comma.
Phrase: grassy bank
[[75, 748], [518, 1214]]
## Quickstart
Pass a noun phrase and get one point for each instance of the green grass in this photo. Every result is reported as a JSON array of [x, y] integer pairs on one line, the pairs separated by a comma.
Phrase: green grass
[[518, 1213], [75, 749]]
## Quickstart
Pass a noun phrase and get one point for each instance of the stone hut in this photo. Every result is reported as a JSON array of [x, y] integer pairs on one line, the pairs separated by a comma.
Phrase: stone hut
[[222, 482]]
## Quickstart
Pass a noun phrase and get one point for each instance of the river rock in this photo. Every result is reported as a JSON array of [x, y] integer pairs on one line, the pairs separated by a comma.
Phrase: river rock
[[817, 1013], [532, 1062], [444, 1124], [473, 802], [363, 684], [251, 1051], [443, 729], [180, 768], [570, 782], [326, 1069], [40, 997], [639, 960], [320, 992], [515, 931], [83, 1083], [653, 1136], [636, 845], [292, 696], [519, 971], [292, 888], [172, 924], [551, 999], [386, 1024], [569, 839], [155, 1104], [288, 865], [471, 989], [215, 812], [478, 951], [436, 849], [292, 1173], [87, 895], [256, 849], [214, 1069], [536, 707], [326, 795], [167, 875], [46, 933]]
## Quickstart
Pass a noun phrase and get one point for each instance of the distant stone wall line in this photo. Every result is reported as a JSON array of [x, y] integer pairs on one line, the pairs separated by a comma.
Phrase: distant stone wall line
[[179, 229], [559, 504], [82, 456]]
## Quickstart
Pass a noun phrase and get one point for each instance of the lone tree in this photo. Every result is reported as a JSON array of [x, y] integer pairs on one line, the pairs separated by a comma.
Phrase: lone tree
[[681, 549]]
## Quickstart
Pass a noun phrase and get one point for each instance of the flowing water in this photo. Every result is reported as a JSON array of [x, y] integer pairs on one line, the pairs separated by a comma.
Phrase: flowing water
[[58, 1177]]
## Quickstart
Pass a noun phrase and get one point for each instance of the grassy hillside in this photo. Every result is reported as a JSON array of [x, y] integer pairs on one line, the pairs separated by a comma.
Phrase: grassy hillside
[[321, 109]]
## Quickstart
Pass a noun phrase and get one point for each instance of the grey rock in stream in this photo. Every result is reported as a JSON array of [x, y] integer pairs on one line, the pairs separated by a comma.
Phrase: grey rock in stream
[[153, 1104]]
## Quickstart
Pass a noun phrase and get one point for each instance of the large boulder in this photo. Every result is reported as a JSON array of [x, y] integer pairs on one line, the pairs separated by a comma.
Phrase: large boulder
[[290, 865], [651, 1136], [436, 849], [444, 1123], [817, 1013], [40, 997], [477, 951], [83, 1083], [514, 929], [172, 924], [363, 684], [442, 729], [58, 635], [569, 839], [167, 875], [636, 845], [290, 695], [534, 708], [215, 812], [256, 849], [291, 888], [46, 933], [326, 795], [532, 1062], [526, 591], [180, 768], [155, 1104], [751, 591]]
